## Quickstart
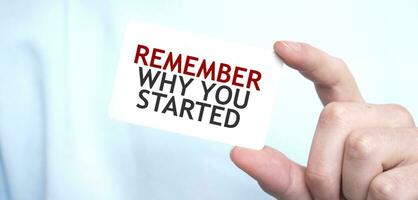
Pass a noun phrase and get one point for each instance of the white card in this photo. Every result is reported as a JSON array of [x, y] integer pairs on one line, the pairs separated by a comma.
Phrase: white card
[[195, 85]]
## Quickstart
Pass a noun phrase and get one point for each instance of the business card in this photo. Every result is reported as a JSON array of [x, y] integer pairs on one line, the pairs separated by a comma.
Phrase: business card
[[195, 85]]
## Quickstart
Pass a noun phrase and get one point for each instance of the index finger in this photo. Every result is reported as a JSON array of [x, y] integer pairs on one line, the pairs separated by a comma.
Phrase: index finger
[[333, 81]]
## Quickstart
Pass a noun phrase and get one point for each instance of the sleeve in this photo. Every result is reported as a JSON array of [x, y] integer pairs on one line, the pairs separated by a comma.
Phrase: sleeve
[[3, 185], [22, 135]]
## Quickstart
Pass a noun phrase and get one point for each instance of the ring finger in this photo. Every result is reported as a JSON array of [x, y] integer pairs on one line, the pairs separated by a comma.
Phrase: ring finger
[[369, 152]]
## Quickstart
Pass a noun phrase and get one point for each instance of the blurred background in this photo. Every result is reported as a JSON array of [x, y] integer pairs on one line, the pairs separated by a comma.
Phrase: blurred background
[[57, 64]]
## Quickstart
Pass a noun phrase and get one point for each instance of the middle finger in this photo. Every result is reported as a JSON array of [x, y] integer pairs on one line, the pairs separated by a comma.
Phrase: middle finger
[[337, 120]]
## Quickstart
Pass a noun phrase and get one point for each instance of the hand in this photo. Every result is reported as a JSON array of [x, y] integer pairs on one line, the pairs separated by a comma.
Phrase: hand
[[359, 151]]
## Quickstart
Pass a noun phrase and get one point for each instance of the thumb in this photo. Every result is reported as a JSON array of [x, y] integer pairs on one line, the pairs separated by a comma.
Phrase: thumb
[[275, 173]]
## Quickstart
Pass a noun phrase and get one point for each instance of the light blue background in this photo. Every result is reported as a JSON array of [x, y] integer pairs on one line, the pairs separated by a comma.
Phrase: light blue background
[[57, 63]]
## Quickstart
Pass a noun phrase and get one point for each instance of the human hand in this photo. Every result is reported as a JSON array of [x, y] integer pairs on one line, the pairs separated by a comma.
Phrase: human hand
[[359, 150]]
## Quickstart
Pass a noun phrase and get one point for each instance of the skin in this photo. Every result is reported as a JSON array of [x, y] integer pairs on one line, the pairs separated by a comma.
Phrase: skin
[[359, 150]]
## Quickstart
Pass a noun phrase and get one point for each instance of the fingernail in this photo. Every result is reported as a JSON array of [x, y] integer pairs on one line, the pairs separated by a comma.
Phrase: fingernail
[[293, 46]]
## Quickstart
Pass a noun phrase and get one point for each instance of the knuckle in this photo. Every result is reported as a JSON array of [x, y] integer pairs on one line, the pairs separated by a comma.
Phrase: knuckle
[[384, 187], [399, 108], [359, 145], [318, 180], [334, 111], [403, 115], [340, 62]]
